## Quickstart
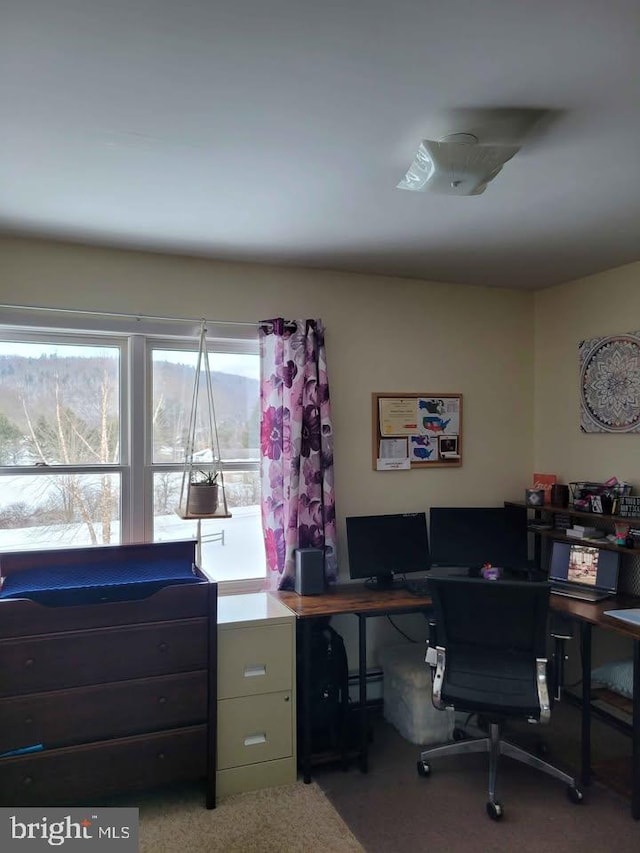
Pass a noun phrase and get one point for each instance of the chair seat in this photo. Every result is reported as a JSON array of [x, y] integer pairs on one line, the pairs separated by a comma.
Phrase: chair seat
[[479, 681]]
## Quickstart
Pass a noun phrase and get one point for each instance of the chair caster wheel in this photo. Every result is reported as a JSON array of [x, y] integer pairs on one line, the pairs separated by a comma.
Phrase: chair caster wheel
[[424, 769], [494, 810], [575, 795]]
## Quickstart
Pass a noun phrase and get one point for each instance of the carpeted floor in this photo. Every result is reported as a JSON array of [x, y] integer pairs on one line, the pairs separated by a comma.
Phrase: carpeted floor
[[391, 809], [289, 819]]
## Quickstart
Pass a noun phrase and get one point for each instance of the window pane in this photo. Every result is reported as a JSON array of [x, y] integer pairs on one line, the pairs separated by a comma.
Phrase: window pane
[[236, 392], [59, 405], [232, 548], [59, 511]]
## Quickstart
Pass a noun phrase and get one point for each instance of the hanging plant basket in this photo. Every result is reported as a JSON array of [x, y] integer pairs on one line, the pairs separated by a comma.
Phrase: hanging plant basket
[[202, 492]]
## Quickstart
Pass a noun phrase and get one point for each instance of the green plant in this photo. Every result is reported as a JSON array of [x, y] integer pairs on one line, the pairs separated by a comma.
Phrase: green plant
[[205, 478]]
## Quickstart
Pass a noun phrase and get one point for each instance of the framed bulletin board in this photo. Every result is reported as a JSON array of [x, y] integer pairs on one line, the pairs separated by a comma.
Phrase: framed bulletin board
[[416, 430]]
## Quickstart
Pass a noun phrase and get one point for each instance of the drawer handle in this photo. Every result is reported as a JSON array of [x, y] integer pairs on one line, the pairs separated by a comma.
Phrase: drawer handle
[[161, 756], [162, 700], [162, 647], [255, 670], [254, 740], [28, 721], [28, 780], [29, 663]]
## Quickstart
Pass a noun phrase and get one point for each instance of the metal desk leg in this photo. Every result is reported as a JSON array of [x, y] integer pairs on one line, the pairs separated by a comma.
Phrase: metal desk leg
[[635, 753], [362, 683], [306, 700], [585, 642]]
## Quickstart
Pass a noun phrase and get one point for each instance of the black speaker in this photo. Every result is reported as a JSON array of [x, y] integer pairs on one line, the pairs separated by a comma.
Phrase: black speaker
[[309, 571]]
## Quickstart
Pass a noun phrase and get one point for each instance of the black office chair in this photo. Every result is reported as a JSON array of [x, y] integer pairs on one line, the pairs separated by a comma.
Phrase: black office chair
[[490, 659]]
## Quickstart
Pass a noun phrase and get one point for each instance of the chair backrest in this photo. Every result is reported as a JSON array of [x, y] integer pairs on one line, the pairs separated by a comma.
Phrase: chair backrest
[[494, 615], [494, 636]]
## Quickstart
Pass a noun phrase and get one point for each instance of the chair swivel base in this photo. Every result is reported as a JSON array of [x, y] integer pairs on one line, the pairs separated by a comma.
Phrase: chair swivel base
[[495, 746]]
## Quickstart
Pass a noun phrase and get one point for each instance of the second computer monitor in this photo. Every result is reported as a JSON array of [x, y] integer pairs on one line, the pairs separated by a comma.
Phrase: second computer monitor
[[470, 537]]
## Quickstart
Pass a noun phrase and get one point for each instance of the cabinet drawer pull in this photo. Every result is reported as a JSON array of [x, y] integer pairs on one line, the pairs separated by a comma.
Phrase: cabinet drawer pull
[[254, 740], [254, 670], [162, 700], [29, 663], [28, 780], [161, 756], [28, 721], [162, 647]]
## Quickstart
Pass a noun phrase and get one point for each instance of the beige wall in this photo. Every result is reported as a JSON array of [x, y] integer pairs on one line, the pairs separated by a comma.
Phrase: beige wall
[[602, 304]]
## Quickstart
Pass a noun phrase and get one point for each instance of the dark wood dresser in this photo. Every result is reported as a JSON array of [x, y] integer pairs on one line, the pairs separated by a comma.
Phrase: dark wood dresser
[[108, 697]]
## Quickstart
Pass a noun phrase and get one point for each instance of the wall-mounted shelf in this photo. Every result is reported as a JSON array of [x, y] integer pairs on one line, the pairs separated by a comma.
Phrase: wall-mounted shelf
[[603, 544], [549, 511], [633, 521]]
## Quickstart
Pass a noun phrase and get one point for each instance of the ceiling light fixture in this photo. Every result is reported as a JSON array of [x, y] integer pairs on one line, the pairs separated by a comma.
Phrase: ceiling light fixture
[[457, 165]]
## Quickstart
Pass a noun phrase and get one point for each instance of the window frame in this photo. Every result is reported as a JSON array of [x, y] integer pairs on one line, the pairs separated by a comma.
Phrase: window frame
[[136, 467]]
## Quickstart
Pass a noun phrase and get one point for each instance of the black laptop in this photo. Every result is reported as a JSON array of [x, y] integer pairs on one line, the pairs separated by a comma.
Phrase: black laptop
[[583, 572]]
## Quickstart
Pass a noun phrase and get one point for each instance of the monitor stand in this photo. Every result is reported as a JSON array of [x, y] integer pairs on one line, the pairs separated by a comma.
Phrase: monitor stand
[[382, 582]]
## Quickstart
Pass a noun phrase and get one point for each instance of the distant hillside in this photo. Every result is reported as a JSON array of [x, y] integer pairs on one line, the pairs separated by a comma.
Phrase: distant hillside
[[30, 388]]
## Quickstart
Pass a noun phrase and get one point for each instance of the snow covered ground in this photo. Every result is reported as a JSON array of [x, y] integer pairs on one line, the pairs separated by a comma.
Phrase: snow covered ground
[[241, 555]]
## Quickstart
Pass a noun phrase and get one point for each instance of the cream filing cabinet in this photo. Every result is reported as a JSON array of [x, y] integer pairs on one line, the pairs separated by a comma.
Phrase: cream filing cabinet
[[256, 694]]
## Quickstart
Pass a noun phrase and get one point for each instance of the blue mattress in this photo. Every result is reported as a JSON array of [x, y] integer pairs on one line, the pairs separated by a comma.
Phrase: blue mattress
[[98, 581]]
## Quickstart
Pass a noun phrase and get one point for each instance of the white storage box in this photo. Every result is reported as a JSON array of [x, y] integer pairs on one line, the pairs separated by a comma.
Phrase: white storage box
[[407, 695]]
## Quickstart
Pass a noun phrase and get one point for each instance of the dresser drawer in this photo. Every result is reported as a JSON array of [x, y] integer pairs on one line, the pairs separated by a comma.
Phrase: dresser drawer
[[254, 660], [108, 710], [78, 658], [254, 729], [79, 774], [22, 617]]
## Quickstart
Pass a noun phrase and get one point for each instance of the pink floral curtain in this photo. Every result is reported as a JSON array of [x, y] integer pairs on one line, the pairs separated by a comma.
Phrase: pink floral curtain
[[296, 438]]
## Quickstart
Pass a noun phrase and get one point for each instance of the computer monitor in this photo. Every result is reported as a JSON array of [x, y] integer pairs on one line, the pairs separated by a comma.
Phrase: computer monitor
[[470, 537], [381, 546]]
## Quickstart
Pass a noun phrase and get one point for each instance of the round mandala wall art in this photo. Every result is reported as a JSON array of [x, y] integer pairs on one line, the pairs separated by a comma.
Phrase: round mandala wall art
[[610, 383]]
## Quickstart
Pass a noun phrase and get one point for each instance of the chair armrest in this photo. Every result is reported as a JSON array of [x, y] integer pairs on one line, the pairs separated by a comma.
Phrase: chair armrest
[[432, 642]]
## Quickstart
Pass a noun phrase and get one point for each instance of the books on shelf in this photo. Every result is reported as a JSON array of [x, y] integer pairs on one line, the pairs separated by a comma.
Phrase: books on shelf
[[540, 525], [592, 533], [587, 529]]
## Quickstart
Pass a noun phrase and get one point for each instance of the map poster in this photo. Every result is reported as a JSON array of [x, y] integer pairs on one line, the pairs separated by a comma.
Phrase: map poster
[[438, 415]]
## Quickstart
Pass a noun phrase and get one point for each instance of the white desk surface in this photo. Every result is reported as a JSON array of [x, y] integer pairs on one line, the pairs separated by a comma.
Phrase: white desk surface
[[253, 607]]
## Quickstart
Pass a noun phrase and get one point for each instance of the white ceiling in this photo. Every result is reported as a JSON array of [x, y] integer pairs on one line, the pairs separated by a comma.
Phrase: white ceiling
[[277, 130]]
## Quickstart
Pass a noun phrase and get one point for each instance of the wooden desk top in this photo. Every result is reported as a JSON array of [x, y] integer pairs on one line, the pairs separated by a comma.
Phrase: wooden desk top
[[356, 598], [352, 598], [594, 612]]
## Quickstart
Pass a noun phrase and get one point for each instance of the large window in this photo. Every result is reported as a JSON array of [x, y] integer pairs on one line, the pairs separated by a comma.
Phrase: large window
[[92, 443]]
